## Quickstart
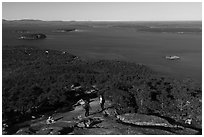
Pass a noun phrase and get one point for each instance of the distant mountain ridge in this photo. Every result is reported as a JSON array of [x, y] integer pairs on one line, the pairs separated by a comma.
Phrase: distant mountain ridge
[[29, 20]]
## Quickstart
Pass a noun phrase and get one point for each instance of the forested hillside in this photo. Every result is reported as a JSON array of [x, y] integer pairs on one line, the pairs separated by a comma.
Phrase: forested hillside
[[36, 81]]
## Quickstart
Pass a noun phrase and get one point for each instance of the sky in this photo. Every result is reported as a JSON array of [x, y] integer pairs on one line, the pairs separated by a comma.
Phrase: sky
[[115, 11]]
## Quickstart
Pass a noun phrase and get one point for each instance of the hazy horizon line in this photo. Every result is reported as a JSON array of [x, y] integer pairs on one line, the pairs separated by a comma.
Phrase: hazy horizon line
[[27, 19]]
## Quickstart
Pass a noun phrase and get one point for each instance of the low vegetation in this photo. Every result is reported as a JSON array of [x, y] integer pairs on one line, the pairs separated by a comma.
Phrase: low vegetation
[[36, 81]]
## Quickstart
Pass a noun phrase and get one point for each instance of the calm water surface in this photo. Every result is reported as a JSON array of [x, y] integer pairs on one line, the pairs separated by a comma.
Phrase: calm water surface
[[123, 44]]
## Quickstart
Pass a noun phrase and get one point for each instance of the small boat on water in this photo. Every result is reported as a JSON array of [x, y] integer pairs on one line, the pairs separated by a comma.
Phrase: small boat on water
[[172, 57]]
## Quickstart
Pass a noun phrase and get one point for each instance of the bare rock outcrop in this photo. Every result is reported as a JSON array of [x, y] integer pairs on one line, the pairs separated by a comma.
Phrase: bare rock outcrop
[[143, 120]]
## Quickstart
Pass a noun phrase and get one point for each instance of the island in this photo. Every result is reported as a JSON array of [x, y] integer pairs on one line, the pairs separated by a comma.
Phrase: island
[[65, 30], [34, 36]]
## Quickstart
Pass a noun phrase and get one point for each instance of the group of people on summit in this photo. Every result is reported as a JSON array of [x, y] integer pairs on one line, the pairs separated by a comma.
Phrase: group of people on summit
[[85, 102]]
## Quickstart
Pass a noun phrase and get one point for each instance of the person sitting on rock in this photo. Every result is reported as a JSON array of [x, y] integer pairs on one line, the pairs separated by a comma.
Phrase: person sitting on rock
[[50, 120]]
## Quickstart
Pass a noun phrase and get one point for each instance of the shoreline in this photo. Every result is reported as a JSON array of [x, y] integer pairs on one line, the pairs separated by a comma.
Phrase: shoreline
[[160, 69]]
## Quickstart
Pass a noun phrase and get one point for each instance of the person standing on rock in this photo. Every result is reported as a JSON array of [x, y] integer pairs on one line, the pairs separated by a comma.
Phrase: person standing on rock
[[86, 106], [102, 100]]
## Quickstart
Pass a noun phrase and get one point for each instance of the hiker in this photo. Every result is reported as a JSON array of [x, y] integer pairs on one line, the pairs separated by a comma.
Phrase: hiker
[[86, 106], [102, 101], [50, 120]]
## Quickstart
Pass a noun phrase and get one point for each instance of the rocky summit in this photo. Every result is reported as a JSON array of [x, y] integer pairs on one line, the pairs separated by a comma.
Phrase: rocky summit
[[102, 123]]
